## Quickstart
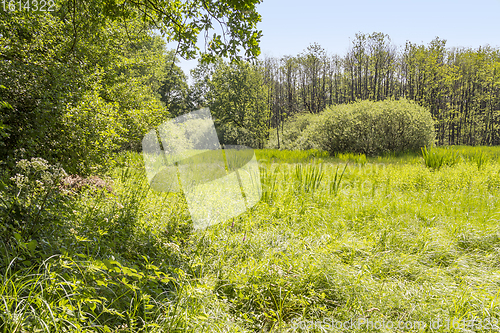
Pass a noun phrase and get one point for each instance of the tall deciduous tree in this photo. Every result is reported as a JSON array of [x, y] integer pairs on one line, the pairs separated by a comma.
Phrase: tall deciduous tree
[[237, 98], [51, 64], [174, 89]]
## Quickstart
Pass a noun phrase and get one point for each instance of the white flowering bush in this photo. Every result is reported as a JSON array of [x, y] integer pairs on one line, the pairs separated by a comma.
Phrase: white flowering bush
[[28, 202]]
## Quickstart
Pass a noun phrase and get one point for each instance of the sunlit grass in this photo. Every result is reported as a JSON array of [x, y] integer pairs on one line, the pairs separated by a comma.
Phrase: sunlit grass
[[392, 231], [287, 156], [331, 238]]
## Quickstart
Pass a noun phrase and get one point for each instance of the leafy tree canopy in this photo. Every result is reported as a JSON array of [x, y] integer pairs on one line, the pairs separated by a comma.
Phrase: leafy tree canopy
[[235, 93], [232, 24], [87, 77]]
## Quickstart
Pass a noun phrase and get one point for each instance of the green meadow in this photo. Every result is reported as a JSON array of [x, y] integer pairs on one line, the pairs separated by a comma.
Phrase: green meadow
[[369, 220], [335, 240]]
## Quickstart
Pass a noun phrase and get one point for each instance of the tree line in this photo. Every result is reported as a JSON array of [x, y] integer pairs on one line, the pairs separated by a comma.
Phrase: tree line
[[80, 83], [92, 77], [460, 86]]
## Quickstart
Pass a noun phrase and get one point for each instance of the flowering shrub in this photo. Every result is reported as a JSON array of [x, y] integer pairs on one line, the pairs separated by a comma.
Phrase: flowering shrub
[[28, 199]]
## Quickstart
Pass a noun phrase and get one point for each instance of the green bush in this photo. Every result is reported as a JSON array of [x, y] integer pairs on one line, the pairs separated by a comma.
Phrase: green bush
[[230, 134], [371, 128], [291, 135], [92, 132], [30, 205]]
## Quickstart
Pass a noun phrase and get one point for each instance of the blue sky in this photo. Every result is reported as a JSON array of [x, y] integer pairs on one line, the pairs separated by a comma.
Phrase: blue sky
[[290, 26]]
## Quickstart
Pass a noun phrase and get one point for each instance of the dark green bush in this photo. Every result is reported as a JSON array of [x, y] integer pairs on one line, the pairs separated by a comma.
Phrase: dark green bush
[[230, 134], [291, 136], [371, 128]]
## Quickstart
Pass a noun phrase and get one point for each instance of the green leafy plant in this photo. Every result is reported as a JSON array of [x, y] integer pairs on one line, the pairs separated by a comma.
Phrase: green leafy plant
[[66, 293], [337, 179], [290, 136], [435, 159], [371, 128], [30, 202], [308, 177]]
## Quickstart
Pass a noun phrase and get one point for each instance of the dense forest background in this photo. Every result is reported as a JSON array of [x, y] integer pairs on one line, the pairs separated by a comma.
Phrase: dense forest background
[[460, 86]]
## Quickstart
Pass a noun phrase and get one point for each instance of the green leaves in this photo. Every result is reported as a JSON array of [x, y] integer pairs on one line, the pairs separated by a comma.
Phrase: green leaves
[[31, 245], [183, 22], [435, 159], [68, 293], [87, 146], [174, 90], [27, 205], [372, 128], [83, 80], [237, 100]]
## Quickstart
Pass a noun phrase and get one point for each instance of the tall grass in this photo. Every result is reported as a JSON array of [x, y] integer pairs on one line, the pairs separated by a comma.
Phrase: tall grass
[[349, 157], [328, 241], [289, 156], [435, 159], [308, 177], [337, 179]]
